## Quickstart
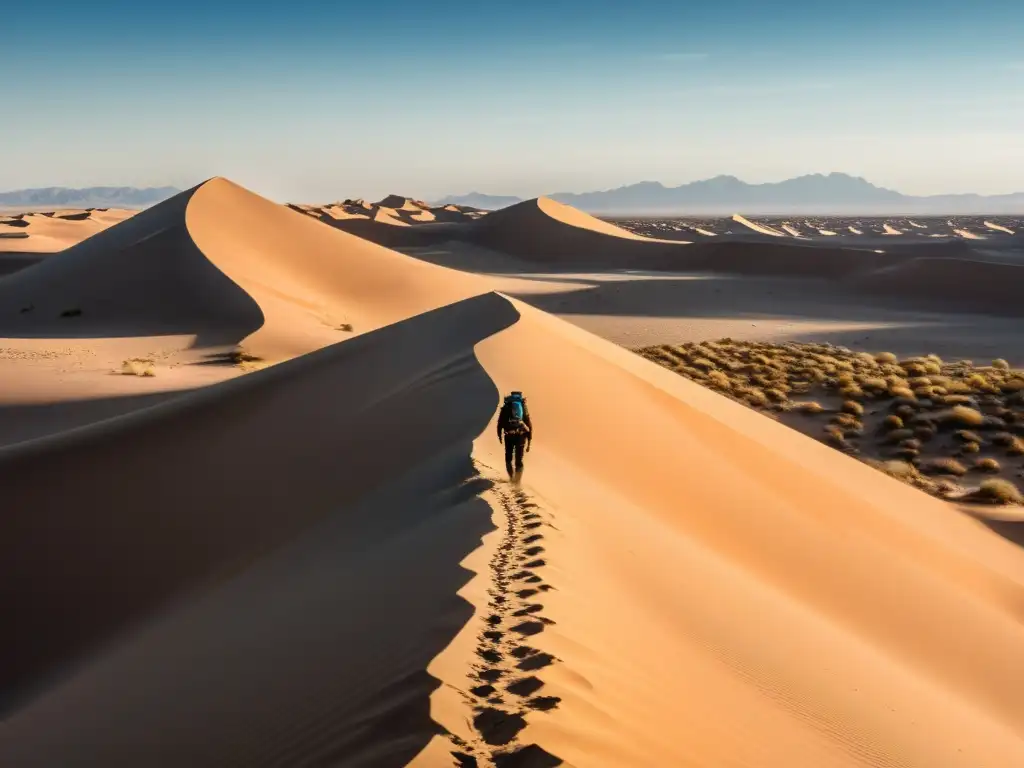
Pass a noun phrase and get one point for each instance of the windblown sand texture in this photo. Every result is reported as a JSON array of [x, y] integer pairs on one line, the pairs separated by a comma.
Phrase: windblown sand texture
[[319, 562]]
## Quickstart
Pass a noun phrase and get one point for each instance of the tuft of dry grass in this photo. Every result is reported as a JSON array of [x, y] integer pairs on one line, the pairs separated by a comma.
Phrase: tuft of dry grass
[[1000, 364], [241, 355], [807, 407], [960, 414], [886, 357], [998, 491], [987, 465], [969, 448], [137, 366], [852, 407], [892, 421], [967, 436], [943, 466], [898, 435]]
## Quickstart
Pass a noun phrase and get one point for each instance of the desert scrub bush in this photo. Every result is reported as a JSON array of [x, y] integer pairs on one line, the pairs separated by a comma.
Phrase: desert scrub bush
[[907, 454], [905, 411], [967, 436], [1000, 364], [886, 357], [873, 382], [914, 368], [755, 398], [845, 420], [996, 490], [960, 414], [967, 448], [719, 380], [986, 465], [776, 394], [1016, 448], [851, 392], [137, 366], [904, 392], [892, 421], [898, 435], [911, 442], [810, 407], [943, 466], [242, 355], [957, 400], [853, 407]]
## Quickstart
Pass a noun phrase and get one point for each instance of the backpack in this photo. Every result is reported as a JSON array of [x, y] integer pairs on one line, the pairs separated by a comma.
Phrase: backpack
[[516, 411]]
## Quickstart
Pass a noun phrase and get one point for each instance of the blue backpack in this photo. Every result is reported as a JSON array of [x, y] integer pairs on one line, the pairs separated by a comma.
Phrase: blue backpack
[[516, 409]]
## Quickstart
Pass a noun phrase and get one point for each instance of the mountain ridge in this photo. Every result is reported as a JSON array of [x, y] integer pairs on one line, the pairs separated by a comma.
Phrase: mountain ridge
[[86, 197], [837, 193]]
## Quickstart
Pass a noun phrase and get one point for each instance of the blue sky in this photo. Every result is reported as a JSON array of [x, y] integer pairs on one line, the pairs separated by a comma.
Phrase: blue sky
[[317, 100]]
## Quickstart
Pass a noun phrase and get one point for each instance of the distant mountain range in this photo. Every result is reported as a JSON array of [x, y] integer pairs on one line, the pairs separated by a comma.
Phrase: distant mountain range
[[835, 193], [89, 197]]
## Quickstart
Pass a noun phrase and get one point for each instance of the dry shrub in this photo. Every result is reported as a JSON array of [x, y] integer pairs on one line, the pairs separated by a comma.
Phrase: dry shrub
[[1016, 448], [886, 357], [905, 411], [956, 387], [986, 465], [1000, 364], [943, 466], [242, 355], [968, 437], [137, 366], [892, 422], [902, 392], [1012, 385], [719, 379], [853, 408], [776, 394], [911, 442], [969, 448], [807, 407], [874, 383], [845, 420], [957, 400], [755, 398], [914, 368], [998, 491], [898, 435], [960, 414]]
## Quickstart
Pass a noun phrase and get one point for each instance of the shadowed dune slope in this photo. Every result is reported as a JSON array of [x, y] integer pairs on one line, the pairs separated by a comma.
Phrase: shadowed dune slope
[[207, 484], [300, 544], [952, 284]]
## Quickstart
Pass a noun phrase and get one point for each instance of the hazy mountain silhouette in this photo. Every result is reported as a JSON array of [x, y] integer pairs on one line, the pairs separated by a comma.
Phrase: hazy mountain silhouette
[[815, 193], [480, 200], [89, 197]]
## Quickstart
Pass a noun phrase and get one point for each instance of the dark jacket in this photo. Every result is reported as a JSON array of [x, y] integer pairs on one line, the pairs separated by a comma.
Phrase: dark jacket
[[503, 422]]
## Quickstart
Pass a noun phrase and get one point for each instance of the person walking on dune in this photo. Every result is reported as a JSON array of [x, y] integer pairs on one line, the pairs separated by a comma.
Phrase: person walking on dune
[[515, 426]]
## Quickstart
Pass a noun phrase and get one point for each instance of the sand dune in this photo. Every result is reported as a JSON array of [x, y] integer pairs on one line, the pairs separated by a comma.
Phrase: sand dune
[[998, 228], [47, 232], [967, 234], [761, 229], [303, 565]]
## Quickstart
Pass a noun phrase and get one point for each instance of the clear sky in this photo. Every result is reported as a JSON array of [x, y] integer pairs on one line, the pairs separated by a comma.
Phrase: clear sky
[[311, 101]]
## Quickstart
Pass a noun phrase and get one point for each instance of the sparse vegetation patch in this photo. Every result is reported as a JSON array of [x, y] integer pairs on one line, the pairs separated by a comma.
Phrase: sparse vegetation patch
[[943, 427]]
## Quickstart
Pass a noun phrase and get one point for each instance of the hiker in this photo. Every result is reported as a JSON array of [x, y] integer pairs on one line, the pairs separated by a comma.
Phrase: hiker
[[515, 425]]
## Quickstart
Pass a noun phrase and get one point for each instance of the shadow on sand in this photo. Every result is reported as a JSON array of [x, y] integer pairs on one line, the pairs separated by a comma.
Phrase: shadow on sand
[[264, 568]]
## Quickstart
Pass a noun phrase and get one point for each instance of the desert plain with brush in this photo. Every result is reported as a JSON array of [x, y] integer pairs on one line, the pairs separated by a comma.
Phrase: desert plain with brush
[[256, 514]]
